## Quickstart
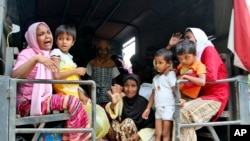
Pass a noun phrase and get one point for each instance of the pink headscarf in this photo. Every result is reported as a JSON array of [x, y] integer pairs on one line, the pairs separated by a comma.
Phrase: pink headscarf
[[40, 91]]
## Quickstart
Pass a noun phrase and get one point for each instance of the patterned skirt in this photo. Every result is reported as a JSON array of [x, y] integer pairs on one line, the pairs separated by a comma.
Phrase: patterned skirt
[[197, 110], [78, 115], [122, 131]]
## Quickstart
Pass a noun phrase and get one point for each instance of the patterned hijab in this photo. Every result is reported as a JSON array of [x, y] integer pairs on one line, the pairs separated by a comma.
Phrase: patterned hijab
[[134, 107], [202, 40], [40, 91]]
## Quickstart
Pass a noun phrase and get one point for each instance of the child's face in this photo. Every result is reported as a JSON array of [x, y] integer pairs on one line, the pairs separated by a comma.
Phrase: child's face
[[64, 42], [161, 65], [186, 59]]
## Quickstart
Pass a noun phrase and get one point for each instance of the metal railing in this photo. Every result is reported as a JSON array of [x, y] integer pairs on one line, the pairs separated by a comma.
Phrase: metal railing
[[241, 107], [13, 121]]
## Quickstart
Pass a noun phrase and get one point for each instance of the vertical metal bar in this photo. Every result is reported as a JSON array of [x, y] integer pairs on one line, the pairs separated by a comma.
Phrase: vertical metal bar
[[2, 17], [93, 112], [12, 109], [9, 60], [177, 111], [4, 107], [244, 100], [214, 134]]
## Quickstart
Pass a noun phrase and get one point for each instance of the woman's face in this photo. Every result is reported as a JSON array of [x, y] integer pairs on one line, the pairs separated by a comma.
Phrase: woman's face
[[103, 49], [190, 36], [44, 37], [130, 88]]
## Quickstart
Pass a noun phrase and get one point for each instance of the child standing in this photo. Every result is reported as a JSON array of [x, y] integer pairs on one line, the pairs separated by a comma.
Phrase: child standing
[[190, 69], [65, 36], [162, 95]]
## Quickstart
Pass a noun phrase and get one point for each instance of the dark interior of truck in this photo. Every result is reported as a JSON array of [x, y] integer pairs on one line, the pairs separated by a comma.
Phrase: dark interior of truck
[[151, 22]]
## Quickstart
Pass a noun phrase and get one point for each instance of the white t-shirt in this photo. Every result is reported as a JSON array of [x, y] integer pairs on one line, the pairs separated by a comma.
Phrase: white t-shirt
[[65, 59], [162, 84]]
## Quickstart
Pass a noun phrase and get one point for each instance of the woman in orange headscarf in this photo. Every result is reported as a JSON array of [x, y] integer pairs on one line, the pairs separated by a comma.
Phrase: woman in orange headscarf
[[103, 70]]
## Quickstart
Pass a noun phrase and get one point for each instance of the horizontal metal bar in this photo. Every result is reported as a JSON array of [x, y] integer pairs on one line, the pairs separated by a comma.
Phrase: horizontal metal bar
[[41, 119], [52, 130], [82, 82], [217, 123], [216, 81]]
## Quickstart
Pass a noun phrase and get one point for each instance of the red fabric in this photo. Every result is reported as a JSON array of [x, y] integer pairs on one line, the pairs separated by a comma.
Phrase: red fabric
[[190, 85], [216, 70], [242, 32]]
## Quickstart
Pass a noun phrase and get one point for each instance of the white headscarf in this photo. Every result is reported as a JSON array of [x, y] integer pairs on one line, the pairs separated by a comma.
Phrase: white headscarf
[[202, 41]]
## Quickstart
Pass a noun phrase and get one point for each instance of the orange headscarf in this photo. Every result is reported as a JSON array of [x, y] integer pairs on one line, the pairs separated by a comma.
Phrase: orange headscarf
[[103, 61]]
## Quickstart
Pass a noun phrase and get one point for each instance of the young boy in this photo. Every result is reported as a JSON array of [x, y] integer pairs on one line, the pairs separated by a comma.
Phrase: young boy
[[65, 36], [162, 95], [190, 69]]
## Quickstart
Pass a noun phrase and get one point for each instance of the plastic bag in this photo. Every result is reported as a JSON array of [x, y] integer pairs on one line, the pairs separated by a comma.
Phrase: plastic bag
[[50, 137], [102, 122]]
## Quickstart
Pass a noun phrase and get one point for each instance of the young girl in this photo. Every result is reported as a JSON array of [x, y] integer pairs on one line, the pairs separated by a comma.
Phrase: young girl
[[65, 36], [162, 95]]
